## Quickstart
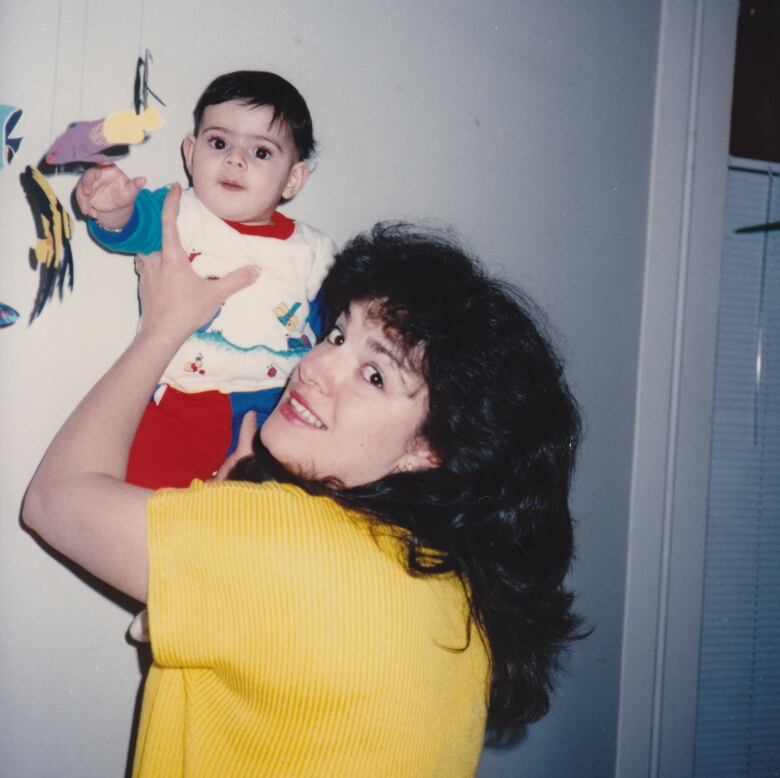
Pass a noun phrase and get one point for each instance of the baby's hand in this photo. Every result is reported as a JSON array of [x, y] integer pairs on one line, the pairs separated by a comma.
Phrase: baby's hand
[[106, 194]]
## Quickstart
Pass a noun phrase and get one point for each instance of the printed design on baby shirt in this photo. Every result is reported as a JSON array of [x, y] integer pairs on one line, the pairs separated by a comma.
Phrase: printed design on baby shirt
[[296, 343], [196, 366], [287, 315], [211, 353], [214, 339]]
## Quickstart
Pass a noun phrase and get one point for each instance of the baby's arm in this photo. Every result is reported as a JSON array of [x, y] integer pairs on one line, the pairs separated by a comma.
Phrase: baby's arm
[[107, 195], [143, 232]]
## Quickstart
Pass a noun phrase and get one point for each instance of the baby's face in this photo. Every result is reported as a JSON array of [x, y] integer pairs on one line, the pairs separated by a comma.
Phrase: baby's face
[[241, 163]]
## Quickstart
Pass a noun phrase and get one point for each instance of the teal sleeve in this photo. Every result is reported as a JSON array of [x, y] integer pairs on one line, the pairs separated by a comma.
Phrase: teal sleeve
[[143, 232]]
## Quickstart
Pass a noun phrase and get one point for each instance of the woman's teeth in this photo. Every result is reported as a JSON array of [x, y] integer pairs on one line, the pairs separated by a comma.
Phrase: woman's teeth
[[306, 414]]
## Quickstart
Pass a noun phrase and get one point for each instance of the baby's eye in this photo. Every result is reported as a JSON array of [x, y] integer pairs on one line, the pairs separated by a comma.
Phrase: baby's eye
[[217, 143], [262, 153], [335, 337], [372, 376]]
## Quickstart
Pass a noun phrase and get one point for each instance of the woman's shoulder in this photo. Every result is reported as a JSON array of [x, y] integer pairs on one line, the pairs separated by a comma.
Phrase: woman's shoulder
[[281, 517], [213, 489], [245, 493], [269, 508]]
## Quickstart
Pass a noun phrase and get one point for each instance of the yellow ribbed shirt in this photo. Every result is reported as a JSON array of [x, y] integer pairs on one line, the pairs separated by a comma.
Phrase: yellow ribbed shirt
[[289, 640]]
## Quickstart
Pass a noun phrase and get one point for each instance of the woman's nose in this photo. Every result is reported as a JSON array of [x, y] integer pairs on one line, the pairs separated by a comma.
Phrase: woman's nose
[[319, 368]]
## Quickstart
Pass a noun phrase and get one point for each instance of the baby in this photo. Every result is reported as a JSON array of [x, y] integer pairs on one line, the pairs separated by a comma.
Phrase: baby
[[246, 155]]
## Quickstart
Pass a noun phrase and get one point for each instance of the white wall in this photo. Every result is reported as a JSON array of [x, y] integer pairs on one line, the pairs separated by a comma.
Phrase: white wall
[[525, 124]]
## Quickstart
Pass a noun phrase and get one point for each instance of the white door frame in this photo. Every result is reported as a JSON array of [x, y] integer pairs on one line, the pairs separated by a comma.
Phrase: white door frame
[[659, 672]]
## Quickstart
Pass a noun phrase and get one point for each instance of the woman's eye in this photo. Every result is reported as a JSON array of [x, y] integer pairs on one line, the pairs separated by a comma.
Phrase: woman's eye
[[217, 143], [335, 337], [372, 376], [262, 153]]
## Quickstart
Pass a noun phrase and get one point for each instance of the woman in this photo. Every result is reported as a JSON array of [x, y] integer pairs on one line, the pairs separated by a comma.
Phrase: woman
[[392, 580]]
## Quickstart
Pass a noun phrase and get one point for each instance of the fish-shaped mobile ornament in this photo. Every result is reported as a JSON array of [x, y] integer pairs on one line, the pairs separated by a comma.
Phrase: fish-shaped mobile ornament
[[105, 140], [8, 315], [83, 143], [52, 251], [9, 118], [90, 140], [141, 88]]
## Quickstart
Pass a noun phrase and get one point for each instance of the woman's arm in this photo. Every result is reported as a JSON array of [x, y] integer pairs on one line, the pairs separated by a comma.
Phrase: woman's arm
[[77, 500]]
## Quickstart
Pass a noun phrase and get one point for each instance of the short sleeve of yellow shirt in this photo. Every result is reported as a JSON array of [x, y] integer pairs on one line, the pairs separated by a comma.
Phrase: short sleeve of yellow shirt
[[289, 640]]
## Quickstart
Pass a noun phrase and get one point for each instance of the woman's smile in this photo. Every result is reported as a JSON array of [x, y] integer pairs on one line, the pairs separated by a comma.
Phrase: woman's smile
[[296, 411]]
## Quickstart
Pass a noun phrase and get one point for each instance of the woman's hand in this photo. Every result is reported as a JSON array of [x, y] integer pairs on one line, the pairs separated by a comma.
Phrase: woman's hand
[[175, 300]]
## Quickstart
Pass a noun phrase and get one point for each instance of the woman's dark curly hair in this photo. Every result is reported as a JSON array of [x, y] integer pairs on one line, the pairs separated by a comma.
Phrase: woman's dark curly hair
[[505, 427]]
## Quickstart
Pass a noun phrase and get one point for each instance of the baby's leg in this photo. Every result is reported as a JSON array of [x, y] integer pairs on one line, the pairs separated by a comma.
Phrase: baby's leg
[[183, 436], [262, 402]]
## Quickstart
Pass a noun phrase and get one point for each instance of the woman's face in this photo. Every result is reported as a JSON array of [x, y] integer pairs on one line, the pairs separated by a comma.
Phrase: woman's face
[[352, 408]]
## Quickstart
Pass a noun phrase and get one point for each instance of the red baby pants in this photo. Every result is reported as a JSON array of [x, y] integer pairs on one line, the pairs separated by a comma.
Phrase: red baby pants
[[183, 437]]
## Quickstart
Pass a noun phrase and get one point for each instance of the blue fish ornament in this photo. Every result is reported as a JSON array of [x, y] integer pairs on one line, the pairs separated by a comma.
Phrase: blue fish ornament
[[9, 117], [7, 315]]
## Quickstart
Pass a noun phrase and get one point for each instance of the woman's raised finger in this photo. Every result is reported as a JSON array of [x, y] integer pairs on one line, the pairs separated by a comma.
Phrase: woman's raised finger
[[171, 243], [234, 281]]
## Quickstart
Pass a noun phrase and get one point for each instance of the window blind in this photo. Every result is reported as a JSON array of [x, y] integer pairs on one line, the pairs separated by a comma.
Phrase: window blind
[[738, 706]]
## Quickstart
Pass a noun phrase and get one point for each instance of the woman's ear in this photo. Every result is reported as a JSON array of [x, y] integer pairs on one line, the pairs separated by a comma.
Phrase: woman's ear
[[420, 456], [299, 174]]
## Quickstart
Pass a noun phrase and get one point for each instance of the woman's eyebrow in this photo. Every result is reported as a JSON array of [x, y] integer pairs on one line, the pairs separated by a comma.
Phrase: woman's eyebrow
[[380, 348], [406, 374]]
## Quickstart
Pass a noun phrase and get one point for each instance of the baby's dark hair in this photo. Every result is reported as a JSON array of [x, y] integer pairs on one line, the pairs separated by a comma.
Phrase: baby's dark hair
[[258, 88], [506, 428]]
